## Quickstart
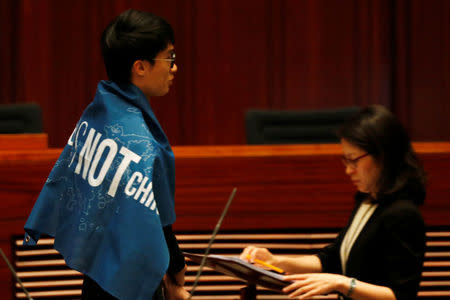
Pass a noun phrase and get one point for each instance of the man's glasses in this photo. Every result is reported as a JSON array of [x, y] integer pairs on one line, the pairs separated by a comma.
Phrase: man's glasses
[[171, 59], [352, 162]]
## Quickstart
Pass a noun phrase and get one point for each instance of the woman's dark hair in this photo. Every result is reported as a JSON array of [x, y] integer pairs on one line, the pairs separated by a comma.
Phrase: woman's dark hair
[[131, 36], [376, 130]]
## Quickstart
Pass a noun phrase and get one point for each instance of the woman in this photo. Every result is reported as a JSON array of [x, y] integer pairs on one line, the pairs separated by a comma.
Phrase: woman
[[379, 254]]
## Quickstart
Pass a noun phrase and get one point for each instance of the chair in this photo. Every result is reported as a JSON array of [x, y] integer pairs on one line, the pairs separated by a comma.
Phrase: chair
[[20, 118], [295, 127]]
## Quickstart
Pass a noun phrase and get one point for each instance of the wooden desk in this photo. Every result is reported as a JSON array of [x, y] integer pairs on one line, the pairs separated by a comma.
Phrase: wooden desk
[[296, 186]]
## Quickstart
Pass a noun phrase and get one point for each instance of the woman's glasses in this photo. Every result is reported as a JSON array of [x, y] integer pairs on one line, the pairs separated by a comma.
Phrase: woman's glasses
[[348, 162]]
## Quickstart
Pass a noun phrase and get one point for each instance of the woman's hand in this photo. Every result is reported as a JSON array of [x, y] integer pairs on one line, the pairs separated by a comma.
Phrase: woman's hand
[[306, 285], [251, 253]]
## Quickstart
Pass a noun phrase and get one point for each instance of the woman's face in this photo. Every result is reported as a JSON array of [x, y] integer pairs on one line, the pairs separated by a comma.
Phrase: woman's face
[[362, 169]]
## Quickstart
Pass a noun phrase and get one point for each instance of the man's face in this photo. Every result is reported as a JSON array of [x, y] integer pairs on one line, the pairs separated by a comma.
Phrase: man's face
[[158, 77]]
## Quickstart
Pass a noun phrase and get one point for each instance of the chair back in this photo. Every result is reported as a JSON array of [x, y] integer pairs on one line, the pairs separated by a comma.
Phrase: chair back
[[295, 127], [20, 118]]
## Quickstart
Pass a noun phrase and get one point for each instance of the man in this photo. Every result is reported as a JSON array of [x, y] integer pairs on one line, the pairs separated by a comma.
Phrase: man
[[109, 200]]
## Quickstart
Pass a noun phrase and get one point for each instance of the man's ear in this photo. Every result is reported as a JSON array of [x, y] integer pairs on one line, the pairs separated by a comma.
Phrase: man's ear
[[139, 67]]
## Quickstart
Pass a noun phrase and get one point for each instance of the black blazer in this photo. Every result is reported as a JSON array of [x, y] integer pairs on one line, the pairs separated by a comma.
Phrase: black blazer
[[390, 249]]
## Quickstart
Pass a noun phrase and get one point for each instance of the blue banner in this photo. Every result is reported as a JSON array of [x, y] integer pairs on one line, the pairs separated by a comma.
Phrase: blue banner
[[110, 193]]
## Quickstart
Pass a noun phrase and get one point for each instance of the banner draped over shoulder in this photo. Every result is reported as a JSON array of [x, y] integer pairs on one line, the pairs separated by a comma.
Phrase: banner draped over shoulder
[[110, 193]]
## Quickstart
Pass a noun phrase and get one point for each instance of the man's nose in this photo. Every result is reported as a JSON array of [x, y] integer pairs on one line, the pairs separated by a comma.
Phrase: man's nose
[[174, 68]]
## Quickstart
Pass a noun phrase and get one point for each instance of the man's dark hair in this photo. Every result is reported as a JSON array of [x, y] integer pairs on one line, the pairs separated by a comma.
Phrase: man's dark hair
[[377, 131], [131, 36]]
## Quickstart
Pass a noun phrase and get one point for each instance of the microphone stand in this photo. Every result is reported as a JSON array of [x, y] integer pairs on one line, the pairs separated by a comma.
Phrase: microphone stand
[[15, 274], [213, 236]]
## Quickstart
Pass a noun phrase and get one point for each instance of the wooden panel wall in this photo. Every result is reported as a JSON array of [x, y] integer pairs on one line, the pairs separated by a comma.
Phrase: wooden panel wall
[[234, 55], [298, 186]]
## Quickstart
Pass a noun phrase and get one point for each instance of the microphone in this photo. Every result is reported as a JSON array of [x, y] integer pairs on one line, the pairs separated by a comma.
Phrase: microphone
[[15, 274], [213, 236]]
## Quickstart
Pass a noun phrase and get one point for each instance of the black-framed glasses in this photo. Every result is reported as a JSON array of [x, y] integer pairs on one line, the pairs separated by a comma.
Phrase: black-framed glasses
[[348, 162], [171, 59]]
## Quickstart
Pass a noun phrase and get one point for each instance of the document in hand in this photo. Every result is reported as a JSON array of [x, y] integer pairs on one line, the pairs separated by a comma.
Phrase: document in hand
[[243, 270]]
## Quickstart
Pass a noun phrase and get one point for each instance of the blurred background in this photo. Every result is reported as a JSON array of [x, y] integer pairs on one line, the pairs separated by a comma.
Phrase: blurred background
[[238, 55]]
